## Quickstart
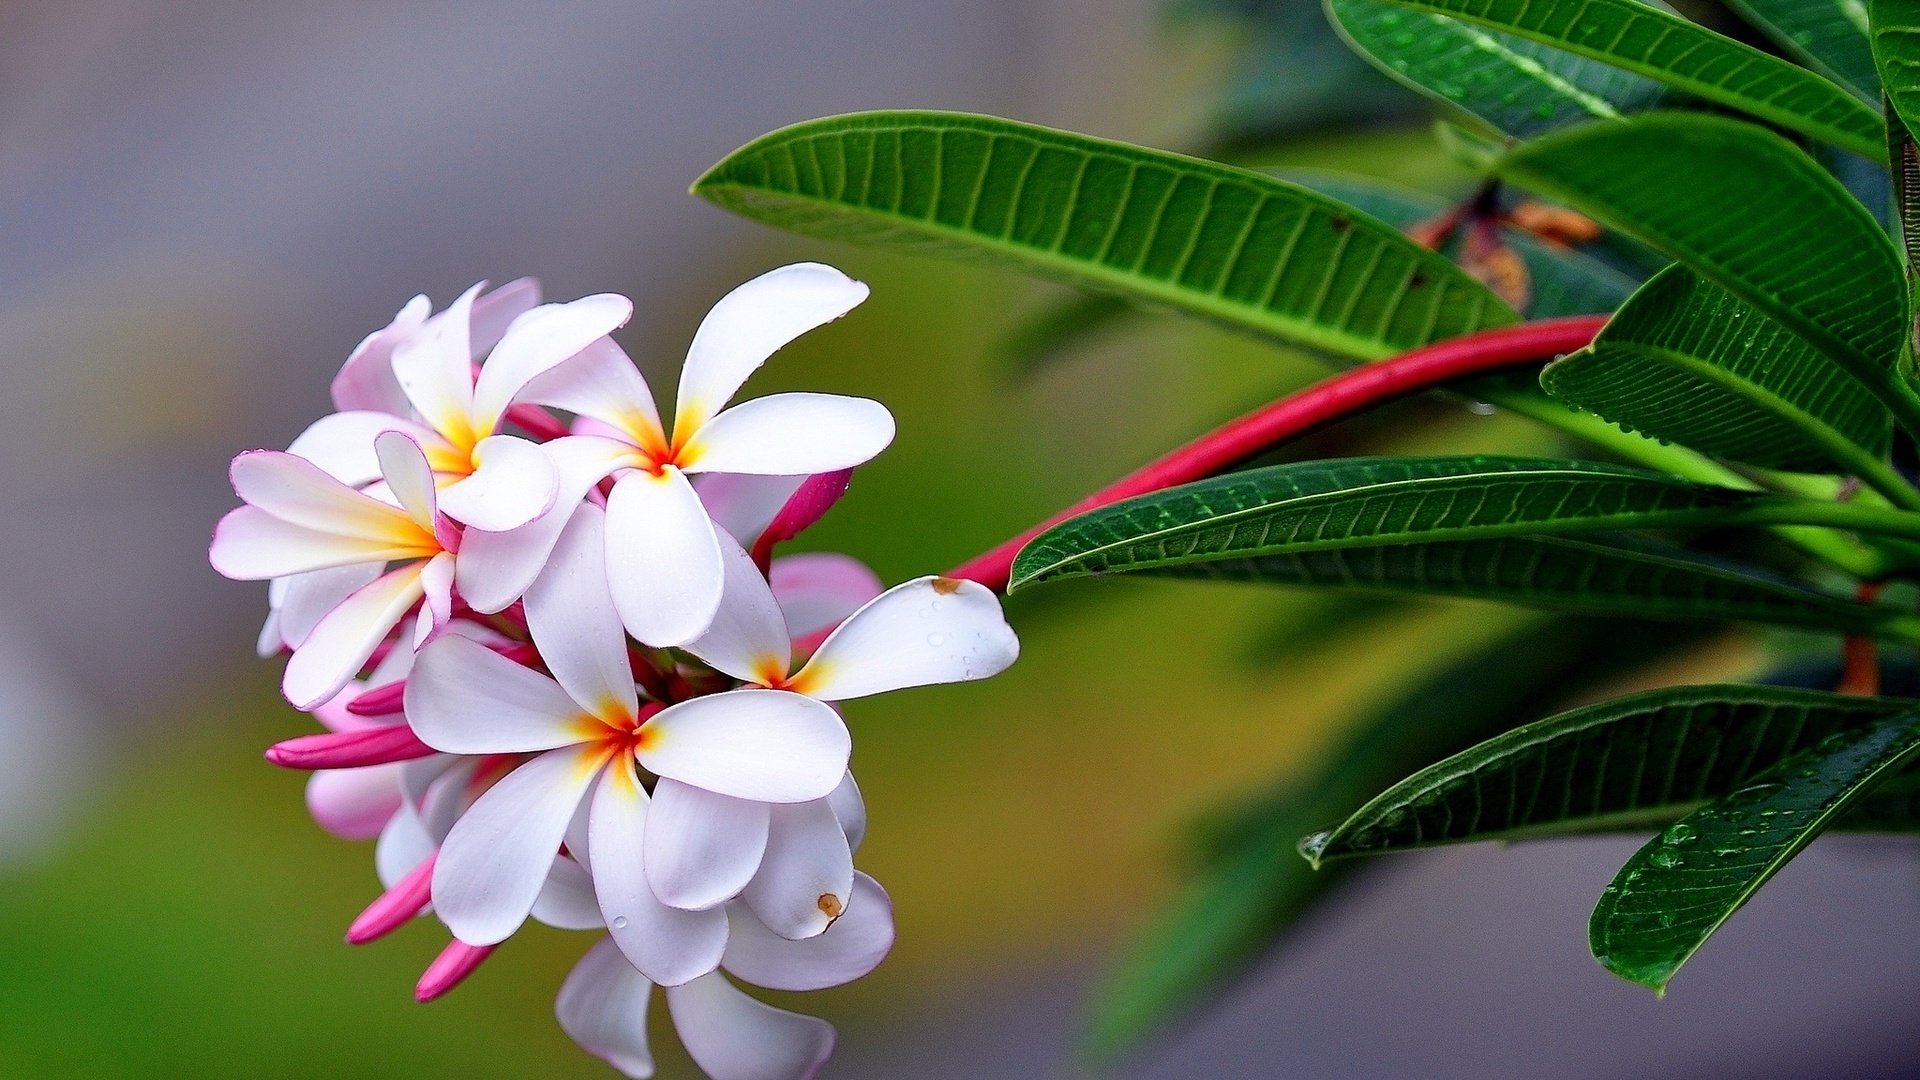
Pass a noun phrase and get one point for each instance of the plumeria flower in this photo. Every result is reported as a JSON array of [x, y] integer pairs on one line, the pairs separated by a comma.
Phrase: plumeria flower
[[927, 631], [298, 520], [491, 481], [603, 1004], [727, 754], [663, 548]]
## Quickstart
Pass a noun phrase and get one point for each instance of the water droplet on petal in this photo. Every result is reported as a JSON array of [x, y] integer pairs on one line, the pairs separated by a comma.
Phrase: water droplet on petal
[[619, 922]]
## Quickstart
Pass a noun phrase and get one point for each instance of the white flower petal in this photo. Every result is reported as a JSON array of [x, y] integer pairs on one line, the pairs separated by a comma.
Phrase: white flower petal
[[603, 1007], [513, 481], [403, 845], [341, 444], [926, 631], [570, 613], [701, 848], [496, 568], [403, 465], [306, 598], [497, 855], [850, 810], [765, 745], [436, 594], [296, 491], [354, 804], [806, 878], [748, 636], [464, 698], [663, 559], [366, 381], [495, 311], [537, 341], [250, 544], [601, 385], [853, 946], [341, 642], [750, 324], [785, 434], [733, 1037], [435, 368], [818, 590], [566, 901], [270, 640], [667, 944], [743, 504], [441, 788]]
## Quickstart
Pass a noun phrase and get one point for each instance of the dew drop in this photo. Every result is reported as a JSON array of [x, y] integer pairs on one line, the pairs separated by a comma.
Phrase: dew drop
[[1311, 846], [936, 640], [1678, 833], [1664, 858], [619, 922]]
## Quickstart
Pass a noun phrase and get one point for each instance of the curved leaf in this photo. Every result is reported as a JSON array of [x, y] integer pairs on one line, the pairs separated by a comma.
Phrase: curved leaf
[[1647, 41], [1596, 577], [1675, 892], [1749, 211], [1894, 36], [1366, 502], [1645, 758], [1518, 87], [1829, 36], [1230, 245], [1685, 361]]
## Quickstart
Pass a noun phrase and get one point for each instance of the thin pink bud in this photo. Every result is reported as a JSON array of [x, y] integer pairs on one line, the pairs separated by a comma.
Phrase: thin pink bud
[[396, 906], [808, 504], [350, 749], [448, 970], [380, 701]]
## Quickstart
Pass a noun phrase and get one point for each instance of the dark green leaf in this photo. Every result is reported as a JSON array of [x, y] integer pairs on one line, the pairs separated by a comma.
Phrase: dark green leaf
[[1675, 892], [1894, 36], [1230, 245], [1367, 502], [1685, 361], [1642, 39], [1749, 211], [1829, 36], [1519, 87], [1647, 758], [1241, 902], [1601, 578]]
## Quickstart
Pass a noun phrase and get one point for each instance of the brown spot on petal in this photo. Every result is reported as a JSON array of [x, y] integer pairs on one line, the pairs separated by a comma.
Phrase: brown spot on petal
[[830, 905], [946, 586]]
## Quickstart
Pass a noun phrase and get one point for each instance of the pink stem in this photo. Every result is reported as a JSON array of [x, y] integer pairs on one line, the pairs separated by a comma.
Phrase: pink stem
[[448, 970], [1341, 396], [350, 749], [396, 906]]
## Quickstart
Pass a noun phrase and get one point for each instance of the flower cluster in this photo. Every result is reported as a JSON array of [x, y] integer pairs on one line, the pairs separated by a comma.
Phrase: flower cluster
[[563, 676]]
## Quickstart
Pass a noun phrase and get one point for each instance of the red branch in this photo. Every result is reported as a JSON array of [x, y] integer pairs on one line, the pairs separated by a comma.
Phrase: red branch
[[1341, 396]]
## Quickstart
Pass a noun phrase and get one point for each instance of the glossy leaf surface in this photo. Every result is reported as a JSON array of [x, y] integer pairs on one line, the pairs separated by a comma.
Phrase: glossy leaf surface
[[1686, 56], [1685, 361], [1675, 892], [1234, 246], [1643, 758], [1829, 36]]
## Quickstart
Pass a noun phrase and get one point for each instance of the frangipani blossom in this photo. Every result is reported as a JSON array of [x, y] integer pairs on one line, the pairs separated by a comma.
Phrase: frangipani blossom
[[727, 754], [663, 551], [603, 1004], [491, 481], [298, 520]]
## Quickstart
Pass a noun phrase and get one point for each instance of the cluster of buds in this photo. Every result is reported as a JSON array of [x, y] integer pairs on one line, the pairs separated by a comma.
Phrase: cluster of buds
[[563, 675]]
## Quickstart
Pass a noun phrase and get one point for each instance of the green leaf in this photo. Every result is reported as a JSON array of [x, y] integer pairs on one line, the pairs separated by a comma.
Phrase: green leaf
[[1230, 245], [1894, 36], [1610, 577], [1239, 903], [1645, 758], [1685, 361], [1518, 87], [1368, 502], [1829, 36], [1675, 892], [1750, 212], [1647, 41]]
